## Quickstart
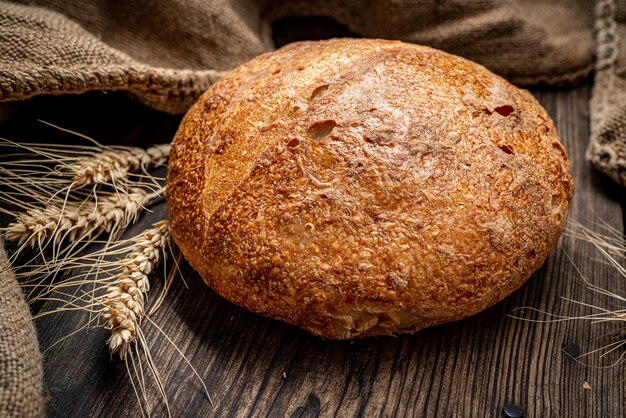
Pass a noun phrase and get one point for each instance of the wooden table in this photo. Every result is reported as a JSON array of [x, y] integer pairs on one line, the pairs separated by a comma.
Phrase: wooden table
[[255, 366]]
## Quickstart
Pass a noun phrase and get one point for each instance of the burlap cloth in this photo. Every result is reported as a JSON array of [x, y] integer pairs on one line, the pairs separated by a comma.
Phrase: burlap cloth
[[167, 53], [20, 361], [607, 148]]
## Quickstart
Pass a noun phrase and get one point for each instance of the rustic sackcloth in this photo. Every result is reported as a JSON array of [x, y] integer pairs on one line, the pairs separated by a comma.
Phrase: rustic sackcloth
[[167, 53], [607, 148], [20, 361]]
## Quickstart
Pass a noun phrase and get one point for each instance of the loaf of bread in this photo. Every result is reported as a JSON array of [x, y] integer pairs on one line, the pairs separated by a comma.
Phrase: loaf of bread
[[366, 187]]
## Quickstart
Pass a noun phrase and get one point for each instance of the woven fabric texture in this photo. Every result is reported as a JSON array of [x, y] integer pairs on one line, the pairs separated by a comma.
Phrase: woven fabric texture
[[607, 148], [168, 55], [21, 369]]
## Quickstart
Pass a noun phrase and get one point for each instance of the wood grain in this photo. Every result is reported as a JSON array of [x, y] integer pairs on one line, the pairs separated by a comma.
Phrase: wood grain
[[254, 366]]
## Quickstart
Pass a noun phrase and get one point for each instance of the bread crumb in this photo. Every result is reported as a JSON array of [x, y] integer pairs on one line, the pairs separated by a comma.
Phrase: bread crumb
[[586, 386], [284, 375]]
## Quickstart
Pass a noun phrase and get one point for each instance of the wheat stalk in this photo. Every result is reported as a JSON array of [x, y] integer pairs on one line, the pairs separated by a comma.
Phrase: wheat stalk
[[121, 301], [75, 221], [124, 304], [48, 186]]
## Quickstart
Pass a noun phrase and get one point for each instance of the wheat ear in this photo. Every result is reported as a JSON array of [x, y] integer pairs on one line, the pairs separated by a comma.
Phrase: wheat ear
[[79, 165], [74, 221], [124, 305], [111, 165]]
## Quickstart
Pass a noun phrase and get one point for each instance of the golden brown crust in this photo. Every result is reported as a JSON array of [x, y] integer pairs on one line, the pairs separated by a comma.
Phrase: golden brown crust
[[366, 187]]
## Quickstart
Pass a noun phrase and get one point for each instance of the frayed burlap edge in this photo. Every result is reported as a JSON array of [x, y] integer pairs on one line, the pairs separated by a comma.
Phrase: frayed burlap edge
[[21, 370], [607, 147], [172, 91]]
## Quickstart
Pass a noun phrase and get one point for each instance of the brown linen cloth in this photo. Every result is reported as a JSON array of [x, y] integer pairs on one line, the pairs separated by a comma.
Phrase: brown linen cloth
[[167, 53], [20, 361]]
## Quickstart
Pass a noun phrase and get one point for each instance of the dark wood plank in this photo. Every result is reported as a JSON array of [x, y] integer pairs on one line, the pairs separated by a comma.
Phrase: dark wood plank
[[258, 367]]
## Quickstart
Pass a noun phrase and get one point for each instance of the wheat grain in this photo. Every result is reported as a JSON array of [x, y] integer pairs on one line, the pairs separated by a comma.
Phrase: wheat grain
[[78, 220], [124, 304]]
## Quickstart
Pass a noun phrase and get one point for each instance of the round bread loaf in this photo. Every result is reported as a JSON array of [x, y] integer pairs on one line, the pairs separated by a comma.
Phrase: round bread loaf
[[365, 187]]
